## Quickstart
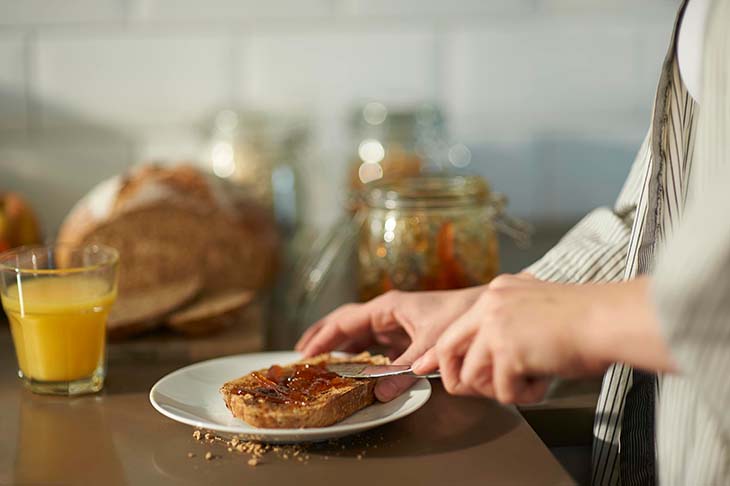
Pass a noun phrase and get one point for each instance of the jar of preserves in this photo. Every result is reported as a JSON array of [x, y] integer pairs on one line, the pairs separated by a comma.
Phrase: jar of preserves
[[430, 233], [396, 142]]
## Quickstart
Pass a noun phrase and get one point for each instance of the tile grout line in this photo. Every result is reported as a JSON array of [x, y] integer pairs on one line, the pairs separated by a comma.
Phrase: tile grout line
[[32, 106]]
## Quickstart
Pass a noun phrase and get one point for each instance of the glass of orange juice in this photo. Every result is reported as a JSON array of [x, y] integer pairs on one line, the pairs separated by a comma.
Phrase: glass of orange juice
[[57, 298]]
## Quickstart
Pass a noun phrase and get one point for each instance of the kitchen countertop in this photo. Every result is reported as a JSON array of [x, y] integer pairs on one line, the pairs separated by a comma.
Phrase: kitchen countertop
[[116, 437]]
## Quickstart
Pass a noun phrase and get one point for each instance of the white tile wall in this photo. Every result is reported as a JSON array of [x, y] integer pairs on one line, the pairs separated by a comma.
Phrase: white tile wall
[[433, 7], [54, 173], [12, 83], [532, 85], [131, 78], [171, 144], [615, 5], [550, 72], [326, 70], [227, 10], [14, 12]]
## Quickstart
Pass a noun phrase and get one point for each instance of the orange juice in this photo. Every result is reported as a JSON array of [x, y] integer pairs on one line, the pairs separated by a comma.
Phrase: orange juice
[[59, 325]]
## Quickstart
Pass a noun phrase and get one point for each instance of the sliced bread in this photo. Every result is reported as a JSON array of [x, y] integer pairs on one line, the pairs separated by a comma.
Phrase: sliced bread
[[136, 312], [209, 313], [300, 395]]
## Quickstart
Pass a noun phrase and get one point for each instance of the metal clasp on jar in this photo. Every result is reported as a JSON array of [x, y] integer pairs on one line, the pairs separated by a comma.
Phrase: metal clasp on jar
[[519, 230]]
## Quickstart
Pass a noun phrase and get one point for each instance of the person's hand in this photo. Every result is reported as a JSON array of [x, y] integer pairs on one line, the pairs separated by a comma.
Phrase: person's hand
[[519, 332], [406, 323]]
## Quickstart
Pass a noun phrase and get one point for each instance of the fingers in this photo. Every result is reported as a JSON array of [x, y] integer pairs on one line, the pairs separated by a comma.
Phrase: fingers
[[395, 342], [535, 390], [451, 349], [356, 345], [513, 387], [508, 280], [350, 322], [506, 384], [477, 369], [388, 388], [427, 363], [308, 335]]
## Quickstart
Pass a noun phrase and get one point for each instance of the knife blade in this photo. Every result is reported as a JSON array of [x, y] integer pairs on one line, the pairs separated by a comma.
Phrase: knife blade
[[365, 370]]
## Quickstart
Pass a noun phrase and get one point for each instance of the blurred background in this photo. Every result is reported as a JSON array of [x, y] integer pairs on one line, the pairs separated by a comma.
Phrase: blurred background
[[548, 99], [299, 104]]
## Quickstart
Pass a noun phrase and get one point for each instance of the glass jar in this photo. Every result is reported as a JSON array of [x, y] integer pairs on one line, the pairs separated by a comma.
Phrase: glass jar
[[263, 153], [395, 143], [428, 233]]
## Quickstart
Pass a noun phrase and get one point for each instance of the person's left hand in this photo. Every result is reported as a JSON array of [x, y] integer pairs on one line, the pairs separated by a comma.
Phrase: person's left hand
[[518, 334]]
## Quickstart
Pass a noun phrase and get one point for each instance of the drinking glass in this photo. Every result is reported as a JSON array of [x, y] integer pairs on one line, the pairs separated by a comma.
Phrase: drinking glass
[[57, 299]]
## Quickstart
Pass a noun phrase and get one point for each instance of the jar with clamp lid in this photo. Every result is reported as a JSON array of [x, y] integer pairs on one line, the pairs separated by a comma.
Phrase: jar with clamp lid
[[431, 233]]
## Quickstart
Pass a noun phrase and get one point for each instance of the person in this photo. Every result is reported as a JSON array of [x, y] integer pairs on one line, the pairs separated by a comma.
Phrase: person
[[639, 292]]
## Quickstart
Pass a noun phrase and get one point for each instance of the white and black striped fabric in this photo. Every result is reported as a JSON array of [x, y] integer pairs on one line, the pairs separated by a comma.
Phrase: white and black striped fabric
[[692, 289], [619, 243]]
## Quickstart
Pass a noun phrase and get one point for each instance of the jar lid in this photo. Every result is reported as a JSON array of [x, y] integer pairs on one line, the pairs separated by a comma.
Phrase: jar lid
[[433, 191]]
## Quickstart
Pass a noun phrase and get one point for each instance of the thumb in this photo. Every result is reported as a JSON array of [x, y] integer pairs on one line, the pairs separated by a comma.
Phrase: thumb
[[388, 388]]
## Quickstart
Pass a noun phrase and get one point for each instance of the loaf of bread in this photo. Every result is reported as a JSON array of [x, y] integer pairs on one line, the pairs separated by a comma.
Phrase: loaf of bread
[[300, 395], [184, 236]]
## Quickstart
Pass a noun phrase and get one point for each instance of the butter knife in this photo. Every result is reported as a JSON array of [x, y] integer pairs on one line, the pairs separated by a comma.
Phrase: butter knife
[[364, 370]]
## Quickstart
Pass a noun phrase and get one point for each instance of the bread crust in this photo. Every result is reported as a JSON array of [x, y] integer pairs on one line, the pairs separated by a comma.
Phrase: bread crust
[[138, 312], [329, 407], [171, 225], [209, 313]]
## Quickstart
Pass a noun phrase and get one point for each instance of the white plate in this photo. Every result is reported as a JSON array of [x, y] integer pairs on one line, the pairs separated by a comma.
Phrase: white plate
[[190, 395]]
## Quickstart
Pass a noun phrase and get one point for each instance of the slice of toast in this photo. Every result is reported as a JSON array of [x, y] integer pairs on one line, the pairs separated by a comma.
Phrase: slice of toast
[[137, 312], [300, 395], [209, 312]]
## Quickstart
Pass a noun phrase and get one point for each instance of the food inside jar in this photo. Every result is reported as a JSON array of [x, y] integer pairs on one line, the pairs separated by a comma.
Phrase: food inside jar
[[426, 251]]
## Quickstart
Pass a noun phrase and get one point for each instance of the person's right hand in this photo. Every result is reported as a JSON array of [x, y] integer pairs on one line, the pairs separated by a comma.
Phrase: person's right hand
[[407, 323]]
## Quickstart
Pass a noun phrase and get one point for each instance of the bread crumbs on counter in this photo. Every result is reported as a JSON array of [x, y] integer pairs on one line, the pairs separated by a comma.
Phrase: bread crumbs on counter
[[359, 457], [190, 455], [257, 451]]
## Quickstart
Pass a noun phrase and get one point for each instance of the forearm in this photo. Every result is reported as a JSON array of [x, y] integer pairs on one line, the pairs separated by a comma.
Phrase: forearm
[[623, 326]]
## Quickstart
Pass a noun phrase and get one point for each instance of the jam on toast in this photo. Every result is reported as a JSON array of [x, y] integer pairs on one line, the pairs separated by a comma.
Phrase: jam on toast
[[300, 395]]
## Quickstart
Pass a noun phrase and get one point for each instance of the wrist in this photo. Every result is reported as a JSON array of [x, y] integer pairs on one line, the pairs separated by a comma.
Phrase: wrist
[[595, 330], [622, 326]]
